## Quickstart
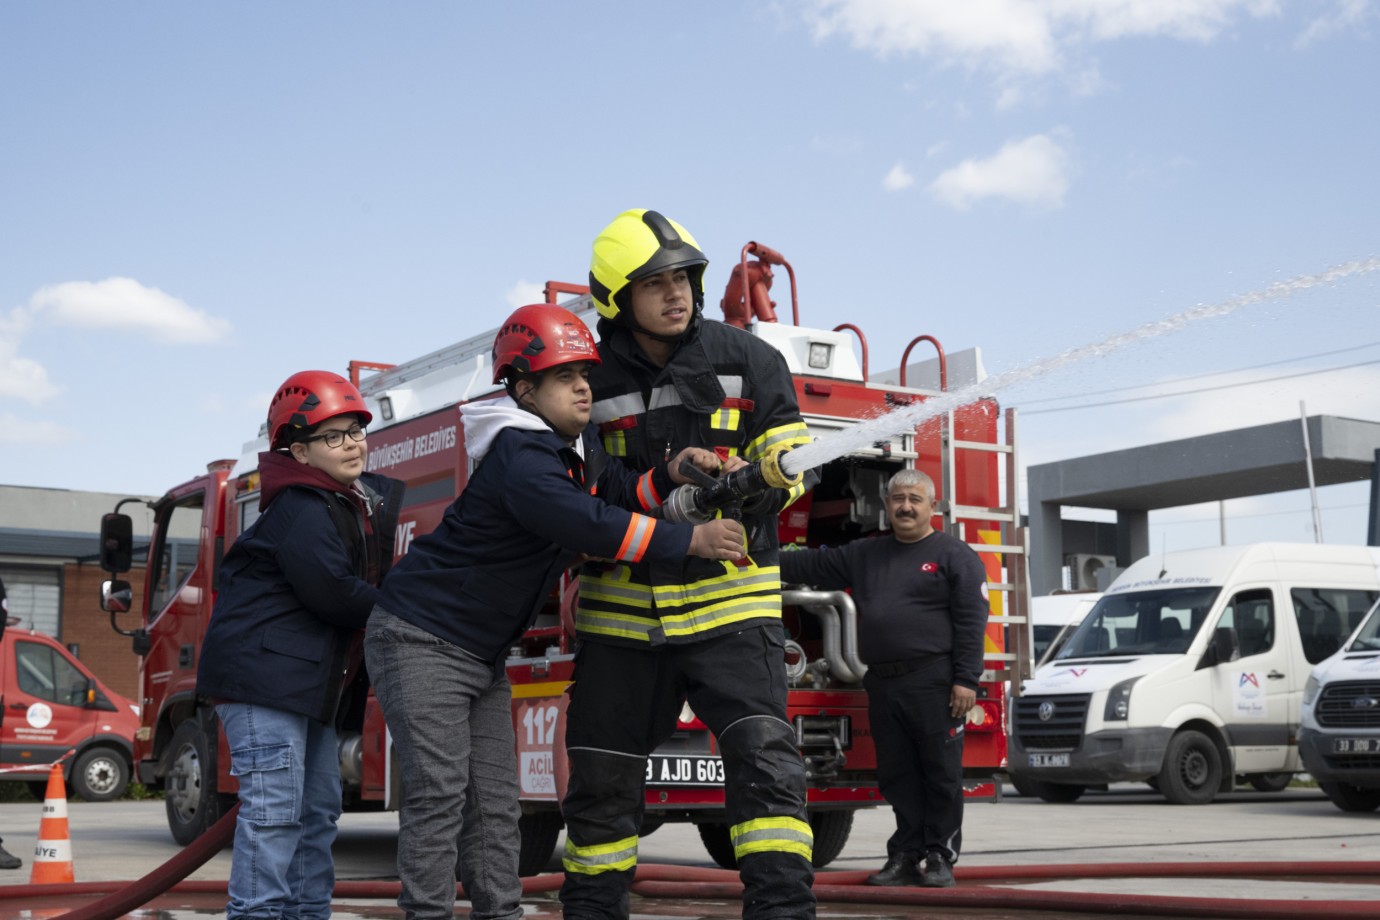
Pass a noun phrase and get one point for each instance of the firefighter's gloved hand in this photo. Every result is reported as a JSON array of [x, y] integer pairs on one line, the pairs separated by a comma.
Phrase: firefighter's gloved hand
[[682, 507], [720, 539]]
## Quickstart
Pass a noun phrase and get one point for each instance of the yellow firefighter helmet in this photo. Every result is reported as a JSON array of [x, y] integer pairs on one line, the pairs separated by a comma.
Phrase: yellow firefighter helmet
[[637, 244]]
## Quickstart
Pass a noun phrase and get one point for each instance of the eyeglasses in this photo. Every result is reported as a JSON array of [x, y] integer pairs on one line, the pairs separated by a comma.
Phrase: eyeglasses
[[336, 437]]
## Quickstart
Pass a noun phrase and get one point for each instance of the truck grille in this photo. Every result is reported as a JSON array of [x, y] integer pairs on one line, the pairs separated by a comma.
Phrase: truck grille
[[1062, 731], [1349, 704]]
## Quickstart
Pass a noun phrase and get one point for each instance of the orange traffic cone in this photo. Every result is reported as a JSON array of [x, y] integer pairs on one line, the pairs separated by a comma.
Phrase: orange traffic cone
[[53, 853]]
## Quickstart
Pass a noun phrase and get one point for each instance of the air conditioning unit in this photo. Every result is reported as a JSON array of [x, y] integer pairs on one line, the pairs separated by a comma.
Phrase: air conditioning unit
[[1083, 569]]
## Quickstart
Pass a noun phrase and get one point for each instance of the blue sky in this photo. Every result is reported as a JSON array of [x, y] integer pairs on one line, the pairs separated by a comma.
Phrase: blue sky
[[197, 200]]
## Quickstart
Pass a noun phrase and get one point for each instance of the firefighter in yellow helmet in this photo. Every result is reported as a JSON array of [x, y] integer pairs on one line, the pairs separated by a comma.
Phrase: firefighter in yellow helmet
[[654, 636]]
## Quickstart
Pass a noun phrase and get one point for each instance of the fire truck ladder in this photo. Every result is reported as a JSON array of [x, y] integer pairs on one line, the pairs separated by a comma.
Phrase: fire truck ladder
[[1015, 590]]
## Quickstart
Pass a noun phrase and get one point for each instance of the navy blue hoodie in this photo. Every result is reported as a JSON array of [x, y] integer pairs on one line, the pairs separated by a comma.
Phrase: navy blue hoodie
[[294, 593], [481, 577]]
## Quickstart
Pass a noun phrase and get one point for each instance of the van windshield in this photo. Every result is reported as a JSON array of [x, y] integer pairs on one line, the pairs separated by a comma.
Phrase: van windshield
[[1141, 623], [1368, 637]]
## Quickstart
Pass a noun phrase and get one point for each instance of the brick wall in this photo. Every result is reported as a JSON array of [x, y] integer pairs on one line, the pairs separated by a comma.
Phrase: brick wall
[[107, 653]]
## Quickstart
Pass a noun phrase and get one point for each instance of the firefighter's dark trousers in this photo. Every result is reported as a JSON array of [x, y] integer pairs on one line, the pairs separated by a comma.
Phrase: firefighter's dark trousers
[[919, 756], [624, 703]]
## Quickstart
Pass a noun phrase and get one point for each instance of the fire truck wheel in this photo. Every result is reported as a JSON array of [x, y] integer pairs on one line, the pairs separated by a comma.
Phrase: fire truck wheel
[[831, 830], [718, 844], [1192, 769], [539, 830], [190, 795], [100, 775]]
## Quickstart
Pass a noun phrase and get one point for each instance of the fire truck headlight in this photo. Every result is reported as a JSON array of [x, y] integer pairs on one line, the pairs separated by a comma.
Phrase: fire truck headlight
[[821, 355], [1119, 701]]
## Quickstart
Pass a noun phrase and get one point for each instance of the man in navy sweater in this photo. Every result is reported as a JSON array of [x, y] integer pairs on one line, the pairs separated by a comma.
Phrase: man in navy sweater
[[922, 595]]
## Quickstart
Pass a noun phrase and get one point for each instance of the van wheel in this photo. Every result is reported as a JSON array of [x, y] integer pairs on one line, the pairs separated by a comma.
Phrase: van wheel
[[1269, 782], [539, 831], [190, 795], [1351, 798], [1057, 793], [1192, 769], [100, 775]]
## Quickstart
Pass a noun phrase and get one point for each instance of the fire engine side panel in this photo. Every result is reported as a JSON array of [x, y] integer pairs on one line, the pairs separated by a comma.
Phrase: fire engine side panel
[[428, 454]]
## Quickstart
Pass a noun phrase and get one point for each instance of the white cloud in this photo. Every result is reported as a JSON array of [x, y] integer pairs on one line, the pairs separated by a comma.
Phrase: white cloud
[[42, 433], [1018, 37], [1347, 15], [897, 179], [123, 303], [524, 293], [23, 378], [1032, 171]]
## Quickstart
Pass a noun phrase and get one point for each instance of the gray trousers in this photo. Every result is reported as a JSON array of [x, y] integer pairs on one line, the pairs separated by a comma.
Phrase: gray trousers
[[452, 727]]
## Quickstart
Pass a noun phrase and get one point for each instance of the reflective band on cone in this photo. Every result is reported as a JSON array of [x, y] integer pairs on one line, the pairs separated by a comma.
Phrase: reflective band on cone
[[53, 852]]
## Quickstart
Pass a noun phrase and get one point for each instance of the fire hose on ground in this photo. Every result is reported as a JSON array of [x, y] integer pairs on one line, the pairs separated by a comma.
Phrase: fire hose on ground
[[979, 887]]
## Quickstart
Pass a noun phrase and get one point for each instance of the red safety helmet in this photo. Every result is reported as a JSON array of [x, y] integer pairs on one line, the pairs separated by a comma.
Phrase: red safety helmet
[[541, 336], [308, 398]]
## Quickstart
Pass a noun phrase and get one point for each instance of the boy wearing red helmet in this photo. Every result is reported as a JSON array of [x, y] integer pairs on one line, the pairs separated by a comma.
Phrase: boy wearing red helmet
[[453, 606], [296, 589]]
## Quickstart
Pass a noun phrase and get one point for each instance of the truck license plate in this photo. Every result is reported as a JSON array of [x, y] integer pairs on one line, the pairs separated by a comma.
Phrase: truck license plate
[[1049, 760], [685, 770], [1356, 745]]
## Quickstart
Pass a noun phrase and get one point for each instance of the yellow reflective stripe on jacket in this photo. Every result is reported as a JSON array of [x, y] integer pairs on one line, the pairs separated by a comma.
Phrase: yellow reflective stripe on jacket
[[615, 586], [601, 857], [616, 444], [734, 581], [793, 435], [773, 835], [726, 419], [713, 616], [617, 625]]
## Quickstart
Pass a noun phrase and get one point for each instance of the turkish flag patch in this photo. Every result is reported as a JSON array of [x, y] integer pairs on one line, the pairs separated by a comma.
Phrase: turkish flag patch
[[929, 567]]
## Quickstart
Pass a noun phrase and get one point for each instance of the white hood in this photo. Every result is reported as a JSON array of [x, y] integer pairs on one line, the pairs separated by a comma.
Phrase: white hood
[[484, 420]]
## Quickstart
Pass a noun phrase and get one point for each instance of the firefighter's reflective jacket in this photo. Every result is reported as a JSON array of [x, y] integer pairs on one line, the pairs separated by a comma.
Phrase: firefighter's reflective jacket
[[725, 390]]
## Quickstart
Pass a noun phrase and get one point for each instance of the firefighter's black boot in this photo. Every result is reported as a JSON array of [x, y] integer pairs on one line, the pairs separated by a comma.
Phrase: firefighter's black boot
[[603, 809], [8, 860], [765, 791]]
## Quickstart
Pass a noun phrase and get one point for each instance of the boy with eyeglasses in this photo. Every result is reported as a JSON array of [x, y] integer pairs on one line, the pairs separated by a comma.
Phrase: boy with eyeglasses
[[283, 649]]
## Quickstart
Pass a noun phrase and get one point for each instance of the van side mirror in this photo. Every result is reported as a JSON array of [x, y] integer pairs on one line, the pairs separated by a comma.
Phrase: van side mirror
[[1224, 647], [117, 543], [116, 596]]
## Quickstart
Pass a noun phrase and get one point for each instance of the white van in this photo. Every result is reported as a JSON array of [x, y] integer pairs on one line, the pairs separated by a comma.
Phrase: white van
[[1054, 617], [1339, 741], [1189, 672]]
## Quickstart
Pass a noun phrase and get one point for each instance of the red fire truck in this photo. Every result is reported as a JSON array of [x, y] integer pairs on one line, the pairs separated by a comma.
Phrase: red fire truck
[[416, 437]]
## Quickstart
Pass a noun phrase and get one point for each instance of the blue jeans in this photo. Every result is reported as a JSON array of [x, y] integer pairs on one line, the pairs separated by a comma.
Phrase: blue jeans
[[289, 774], [451, 720]]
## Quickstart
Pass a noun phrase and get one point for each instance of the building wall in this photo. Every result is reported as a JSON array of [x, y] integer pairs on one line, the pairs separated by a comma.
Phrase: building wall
[[85, 625]]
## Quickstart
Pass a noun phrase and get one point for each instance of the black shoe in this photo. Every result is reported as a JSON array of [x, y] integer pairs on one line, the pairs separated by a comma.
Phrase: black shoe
[[899, 870], [8, 860], [939, 872]]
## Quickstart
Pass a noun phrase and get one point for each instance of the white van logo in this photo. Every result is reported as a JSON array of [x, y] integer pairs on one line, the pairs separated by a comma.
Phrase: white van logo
[[39, 715], [1365, 702], [1046, 711]]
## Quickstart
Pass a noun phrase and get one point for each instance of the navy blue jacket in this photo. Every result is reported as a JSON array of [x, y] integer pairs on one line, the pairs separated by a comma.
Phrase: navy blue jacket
[[293, 598], [481, 577]]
